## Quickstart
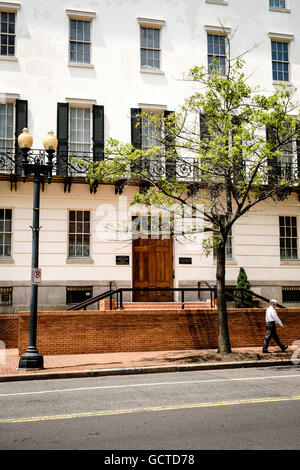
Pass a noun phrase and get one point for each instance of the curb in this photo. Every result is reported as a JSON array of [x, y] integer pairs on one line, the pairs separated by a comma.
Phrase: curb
[[143, 370]]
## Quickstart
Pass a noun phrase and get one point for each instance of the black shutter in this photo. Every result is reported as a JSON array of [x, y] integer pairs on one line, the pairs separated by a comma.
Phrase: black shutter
[[274, 171], [136, 128], [170, 149], [62, 137], [239, 162], [204, 133], [20, 123], [297, 172], [98, 132], [136, 134]]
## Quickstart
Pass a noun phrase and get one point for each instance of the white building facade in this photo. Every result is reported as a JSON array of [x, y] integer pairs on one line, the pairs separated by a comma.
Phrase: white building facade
[[83, 69]]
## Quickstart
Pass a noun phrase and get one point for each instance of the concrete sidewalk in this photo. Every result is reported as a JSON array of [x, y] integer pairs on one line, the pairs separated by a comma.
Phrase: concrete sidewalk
[[88, 365]]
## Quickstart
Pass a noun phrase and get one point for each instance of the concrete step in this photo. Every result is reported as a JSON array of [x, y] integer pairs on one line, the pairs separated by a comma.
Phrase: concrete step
[[164, 305]]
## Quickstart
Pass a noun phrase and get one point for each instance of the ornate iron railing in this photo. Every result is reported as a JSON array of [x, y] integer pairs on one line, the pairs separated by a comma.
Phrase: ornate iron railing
[[69, 164]]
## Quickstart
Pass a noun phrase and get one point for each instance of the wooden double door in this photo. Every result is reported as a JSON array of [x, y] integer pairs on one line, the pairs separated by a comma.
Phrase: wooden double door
[[152, 268]]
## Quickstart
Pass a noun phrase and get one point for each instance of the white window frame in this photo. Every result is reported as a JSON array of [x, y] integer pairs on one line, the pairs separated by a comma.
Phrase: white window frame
[[280, 9], [4, 257], [82, 233], [80, 16], [153, 24], [284, 38], [218, 31], [285, 259], [6, 7], [151, 109], [9, 98], [12, 139]]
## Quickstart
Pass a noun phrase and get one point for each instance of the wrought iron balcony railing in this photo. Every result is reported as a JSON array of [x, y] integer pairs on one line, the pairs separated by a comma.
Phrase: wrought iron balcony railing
[[69, 164]]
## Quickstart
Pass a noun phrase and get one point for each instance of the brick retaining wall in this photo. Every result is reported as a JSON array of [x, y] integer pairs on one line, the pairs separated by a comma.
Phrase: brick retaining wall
[[9, 325], [115, 331]]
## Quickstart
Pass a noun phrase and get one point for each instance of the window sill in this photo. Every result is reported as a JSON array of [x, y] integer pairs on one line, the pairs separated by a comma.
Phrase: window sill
[[275, 82], [290, 262], [152, 71], [9, 58], [280, 10], [228, 262], [7, 261], [215, 2], [79, 261], [81, 65]]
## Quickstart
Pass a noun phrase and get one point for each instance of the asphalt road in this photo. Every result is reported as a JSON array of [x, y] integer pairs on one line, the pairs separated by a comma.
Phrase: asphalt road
[[241, 409]]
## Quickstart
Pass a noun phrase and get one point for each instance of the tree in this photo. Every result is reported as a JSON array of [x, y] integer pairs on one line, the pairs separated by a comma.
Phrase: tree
[[242, 283], [220, 155]]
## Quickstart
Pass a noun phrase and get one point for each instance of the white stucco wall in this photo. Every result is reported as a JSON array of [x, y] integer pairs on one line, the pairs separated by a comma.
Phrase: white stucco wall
[[42, 76]]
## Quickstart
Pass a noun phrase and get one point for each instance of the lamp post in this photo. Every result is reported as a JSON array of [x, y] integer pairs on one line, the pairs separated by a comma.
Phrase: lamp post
[[32, 359]]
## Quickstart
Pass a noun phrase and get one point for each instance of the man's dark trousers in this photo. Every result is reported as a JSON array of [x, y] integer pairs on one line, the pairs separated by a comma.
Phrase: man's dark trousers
[[271, 333]]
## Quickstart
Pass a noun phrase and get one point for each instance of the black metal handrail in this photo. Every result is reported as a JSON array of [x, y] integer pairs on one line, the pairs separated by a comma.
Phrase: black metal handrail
[[213, 290]]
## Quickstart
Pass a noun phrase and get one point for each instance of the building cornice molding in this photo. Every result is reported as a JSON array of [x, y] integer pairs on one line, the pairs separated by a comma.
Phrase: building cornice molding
[[10, 7], [81, 15], [281, 37], [80, 101], [149, 22], [217, 29], [152, 107], [8, 97]]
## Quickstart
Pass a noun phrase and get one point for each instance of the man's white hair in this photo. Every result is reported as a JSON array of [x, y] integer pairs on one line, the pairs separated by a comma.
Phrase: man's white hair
[[273, 301]]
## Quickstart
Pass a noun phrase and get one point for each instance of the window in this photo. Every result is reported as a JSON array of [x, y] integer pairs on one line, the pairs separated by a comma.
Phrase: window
[[280, 61], [277, 3], [6, 125], [80, 130], [8, 34], [150, 44], [228, 247], [151, 133], [5, 296], [79, 234], [284, 166], [5, 232], [216, 53], [291, 294], [288, 238], [80, 33], [150, 48], [78, 294], [80, 37]]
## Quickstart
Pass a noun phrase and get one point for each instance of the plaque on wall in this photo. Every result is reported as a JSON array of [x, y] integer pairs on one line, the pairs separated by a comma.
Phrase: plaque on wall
[[122, 260], [185, 260]]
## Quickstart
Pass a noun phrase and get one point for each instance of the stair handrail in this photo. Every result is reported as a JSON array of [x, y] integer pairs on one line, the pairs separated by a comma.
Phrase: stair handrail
[[92, 300], [120, 290]]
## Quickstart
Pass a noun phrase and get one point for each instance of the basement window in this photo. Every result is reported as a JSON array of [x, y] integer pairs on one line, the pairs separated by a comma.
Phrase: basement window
[[5, 296], [290, 294], [78, 294]]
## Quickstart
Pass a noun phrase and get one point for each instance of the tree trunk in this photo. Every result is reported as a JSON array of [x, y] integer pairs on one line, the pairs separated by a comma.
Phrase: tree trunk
[[224, 341]]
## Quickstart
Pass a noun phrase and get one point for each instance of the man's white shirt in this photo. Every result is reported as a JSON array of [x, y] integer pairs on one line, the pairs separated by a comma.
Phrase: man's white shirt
[[271, 315]]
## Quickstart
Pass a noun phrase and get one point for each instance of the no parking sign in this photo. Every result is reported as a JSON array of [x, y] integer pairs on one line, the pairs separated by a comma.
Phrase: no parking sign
[[37, 275]]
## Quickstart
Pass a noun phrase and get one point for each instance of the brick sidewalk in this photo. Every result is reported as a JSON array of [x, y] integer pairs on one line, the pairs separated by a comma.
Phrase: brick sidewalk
[[89, 362]]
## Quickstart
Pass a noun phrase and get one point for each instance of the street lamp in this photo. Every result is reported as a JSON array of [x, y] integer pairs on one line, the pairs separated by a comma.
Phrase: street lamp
[[32, 359]]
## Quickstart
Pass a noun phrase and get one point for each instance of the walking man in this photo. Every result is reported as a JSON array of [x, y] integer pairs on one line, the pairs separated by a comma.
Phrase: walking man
[[271, 320]]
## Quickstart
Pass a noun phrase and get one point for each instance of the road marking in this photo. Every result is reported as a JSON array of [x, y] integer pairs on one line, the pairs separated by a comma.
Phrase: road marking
[[105, 387], [147, 410]]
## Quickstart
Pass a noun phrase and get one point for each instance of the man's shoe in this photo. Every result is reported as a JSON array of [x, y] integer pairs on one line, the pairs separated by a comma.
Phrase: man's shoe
[[266, 352], [284, 348]]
